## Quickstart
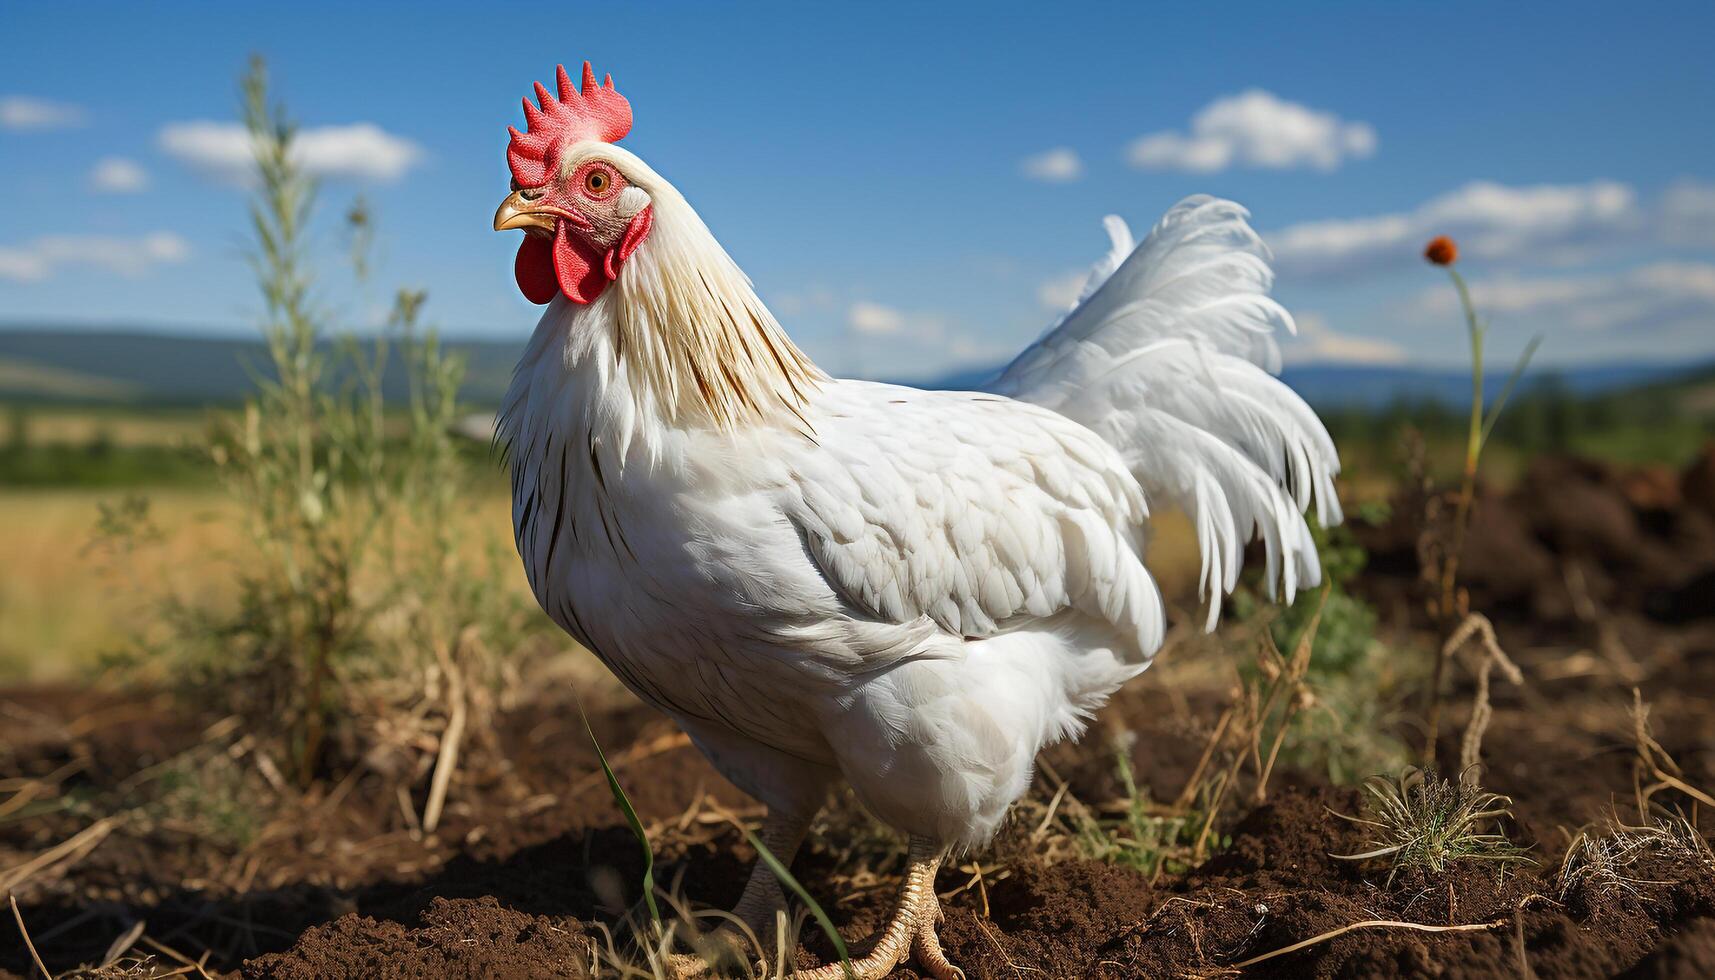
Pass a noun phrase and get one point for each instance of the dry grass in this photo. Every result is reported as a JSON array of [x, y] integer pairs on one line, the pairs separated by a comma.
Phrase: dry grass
[[123, 428], [1610, 861], [66, 600]]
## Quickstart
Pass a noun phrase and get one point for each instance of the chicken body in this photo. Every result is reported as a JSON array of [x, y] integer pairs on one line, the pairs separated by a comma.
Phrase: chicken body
[[911, 591], [916, 599]]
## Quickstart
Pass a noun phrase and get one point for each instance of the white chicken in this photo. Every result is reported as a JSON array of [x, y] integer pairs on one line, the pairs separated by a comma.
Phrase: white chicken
[[823, 579]]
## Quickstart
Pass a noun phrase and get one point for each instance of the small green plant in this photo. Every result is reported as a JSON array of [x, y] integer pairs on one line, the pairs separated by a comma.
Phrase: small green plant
[[1420, 820], [1145, 836], [209, 796], [1354, 683]]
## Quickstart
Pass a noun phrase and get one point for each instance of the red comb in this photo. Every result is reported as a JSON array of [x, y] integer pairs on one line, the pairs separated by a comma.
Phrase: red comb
[[596, 112]]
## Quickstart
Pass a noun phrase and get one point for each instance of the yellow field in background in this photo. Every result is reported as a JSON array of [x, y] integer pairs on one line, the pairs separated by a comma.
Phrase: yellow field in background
[[66, 597], [51, 425]]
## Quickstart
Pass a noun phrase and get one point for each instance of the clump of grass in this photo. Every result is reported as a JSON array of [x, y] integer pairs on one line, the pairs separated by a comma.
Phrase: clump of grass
[[1609, 863], [211, 797], [1420, 820], [1355, 685], [1145, 835], [1269, 703], [1256, 726], [642, 956]]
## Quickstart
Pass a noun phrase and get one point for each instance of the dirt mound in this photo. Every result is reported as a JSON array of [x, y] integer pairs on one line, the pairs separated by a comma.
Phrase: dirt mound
[[455, 938], [1687, 955], [1574, 539]]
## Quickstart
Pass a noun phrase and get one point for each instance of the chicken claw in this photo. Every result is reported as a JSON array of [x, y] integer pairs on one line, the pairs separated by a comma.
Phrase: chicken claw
[[910, 930]]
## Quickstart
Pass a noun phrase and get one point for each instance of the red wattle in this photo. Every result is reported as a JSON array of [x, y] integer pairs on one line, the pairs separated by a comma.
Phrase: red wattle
[[577, 266], [569, 264], [534, 269], [635, 233]]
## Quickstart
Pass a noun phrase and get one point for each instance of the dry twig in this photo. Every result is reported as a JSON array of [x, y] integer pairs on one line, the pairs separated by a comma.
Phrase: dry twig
[[1477, 626], [447, 759], [1654, 761], [71, 849], [1366, 924], [34, 956], [178, 957]]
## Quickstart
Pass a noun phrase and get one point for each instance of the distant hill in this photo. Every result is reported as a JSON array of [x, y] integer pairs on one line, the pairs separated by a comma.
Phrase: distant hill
[[1376, 386], [128, 366], [133, 367]]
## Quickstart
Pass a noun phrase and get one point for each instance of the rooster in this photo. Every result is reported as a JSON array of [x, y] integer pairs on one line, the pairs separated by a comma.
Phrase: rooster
[[827, 580]]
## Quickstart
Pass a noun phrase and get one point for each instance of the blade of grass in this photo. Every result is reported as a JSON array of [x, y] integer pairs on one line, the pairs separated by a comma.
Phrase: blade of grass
[[786, 878], [625, 807], [1512, 381]]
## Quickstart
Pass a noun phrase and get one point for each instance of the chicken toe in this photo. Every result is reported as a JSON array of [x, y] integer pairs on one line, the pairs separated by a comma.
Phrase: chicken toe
[[909, 931]]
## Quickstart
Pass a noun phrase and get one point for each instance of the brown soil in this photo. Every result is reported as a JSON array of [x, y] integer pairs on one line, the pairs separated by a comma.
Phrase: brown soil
[[532, 862]]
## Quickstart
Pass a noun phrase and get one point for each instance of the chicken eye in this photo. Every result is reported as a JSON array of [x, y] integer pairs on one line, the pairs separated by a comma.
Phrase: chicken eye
[[597, 181]]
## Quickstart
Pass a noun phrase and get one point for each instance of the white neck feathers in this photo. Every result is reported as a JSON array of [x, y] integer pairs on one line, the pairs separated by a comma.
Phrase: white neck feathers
[[679, 341]]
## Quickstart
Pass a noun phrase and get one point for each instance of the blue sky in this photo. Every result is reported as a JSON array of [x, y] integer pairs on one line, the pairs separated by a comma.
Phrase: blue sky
[[913, 187]]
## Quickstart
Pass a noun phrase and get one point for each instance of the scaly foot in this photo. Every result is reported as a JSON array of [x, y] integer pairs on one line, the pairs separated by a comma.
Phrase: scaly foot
[[911, 930]]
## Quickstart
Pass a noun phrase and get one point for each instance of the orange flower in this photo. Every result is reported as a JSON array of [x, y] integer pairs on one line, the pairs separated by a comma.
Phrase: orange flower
[[1441, 251]]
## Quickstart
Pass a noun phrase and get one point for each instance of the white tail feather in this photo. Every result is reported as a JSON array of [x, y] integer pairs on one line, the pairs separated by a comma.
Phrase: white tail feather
[[1169, 355]]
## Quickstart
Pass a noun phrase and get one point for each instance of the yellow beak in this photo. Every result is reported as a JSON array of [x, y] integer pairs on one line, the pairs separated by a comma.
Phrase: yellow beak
[[515, 212]]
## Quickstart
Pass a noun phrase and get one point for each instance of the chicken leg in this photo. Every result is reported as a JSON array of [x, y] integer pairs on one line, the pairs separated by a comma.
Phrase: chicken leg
[[910, 930], [782, 833]]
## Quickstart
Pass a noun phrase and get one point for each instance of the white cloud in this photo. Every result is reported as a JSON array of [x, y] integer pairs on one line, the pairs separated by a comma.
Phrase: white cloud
[[1546, 222], [25, 112], [813, 299], [1688, 214], [359, 151], [1255, 129], [1057, 166], [117, 175], [875, 319], [1317, 342], [893, 343], [1657, 297], [1059, 293], [41, 258]]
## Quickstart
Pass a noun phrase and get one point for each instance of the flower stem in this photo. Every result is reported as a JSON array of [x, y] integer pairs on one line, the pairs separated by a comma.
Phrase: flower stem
[[1446, 609]]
